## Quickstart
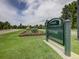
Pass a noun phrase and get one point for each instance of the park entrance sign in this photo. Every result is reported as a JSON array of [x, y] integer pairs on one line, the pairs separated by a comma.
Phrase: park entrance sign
[[55, 30], [58, 30]]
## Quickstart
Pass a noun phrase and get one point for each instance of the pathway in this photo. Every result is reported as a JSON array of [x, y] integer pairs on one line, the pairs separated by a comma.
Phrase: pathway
[[8, 31]]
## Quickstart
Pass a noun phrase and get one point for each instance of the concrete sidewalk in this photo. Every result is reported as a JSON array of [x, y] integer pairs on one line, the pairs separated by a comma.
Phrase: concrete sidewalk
[[8, 31], [60, 50]]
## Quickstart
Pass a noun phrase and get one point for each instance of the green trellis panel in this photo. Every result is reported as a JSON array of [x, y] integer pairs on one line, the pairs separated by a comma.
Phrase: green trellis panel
[[55, 30]]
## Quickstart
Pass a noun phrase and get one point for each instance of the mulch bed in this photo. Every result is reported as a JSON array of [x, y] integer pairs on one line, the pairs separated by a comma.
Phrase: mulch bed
[[31, 34]]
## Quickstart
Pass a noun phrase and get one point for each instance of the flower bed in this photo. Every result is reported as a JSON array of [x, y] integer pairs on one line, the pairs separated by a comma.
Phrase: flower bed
[[29, 33]]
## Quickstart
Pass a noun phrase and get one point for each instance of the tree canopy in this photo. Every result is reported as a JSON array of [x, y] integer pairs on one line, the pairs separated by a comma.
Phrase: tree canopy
[[7, 25], [70, 12]]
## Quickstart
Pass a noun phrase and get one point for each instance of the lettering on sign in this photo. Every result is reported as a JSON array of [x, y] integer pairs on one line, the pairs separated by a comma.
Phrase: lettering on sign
[[55, 30]]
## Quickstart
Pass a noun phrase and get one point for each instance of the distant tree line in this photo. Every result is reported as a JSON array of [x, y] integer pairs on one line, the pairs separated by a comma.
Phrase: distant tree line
[[70, 12], [40, 26], [7, 25]]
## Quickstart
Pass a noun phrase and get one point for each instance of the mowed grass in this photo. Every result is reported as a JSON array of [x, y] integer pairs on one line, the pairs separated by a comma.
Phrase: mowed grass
[[30, 47], [75, 42]]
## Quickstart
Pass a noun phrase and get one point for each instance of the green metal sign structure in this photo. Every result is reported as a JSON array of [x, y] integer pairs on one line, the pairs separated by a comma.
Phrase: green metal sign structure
[[55, 30], [59, 30]]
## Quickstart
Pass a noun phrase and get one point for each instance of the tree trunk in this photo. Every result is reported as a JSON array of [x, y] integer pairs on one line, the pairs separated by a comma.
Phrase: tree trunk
[[78, 19]]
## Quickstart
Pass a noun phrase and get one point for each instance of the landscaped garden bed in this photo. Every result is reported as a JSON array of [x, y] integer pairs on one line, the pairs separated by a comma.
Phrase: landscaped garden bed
[[32, 32]]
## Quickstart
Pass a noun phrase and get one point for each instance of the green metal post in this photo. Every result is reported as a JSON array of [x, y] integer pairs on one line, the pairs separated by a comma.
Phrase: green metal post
[[46, 30], [67, 37]]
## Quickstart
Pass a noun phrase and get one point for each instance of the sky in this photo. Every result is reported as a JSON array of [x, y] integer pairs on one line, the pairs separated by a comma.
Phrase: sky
[[30, 12]]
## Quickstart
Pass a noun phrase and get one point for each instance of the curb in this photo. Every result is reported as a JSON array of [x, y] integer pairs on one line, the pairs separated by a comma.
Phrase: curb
[[60, 50]]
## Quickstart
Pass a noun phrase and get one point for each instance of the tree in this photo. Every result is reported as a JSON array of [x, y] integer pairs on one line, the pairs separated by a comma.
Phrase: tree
[[1, 25], [78, 19], [69, 12], [20, 26], [65, 12], [14, 27], [6, 25], [36, 26], [30, 26]]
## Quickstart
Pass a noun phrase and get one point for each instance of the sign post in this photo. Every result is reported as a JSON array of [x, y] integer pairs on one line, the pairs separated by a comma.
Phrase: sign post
[[67, 37], [46, 24]]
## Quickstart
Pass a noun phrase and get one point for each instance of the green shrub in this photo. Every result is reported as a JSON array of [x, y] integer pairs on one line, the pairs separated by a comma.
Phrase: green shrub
[[34, 30], [28, 28]]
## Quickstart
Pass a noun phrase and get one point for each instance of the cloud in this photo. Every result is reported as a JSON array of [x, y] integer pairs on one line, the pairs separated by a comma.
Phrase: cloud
[[46, 9], [6, 11], [18, 4], [30, 11]]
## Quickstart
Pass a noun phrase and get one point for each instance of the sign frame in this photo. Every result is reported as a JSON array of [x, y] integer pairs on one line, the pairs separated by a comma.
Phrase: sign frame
[[50, 26], [66, 34]]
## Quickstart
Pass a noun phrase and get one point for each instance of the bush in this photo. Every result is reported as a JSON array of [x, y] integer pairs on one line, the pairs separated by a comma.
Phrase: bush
[[34, 30]]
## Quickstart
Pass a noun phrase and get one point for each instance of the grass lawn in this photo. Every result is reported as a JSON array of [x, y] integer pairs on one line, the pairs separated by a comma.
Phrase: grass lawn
[[75, 42], [31, 47]]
